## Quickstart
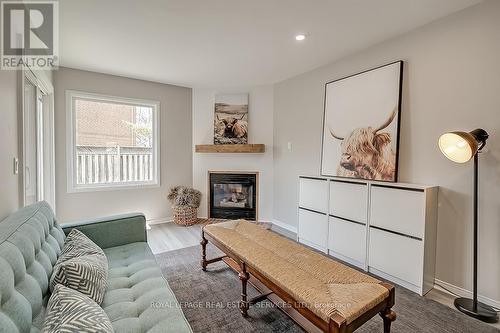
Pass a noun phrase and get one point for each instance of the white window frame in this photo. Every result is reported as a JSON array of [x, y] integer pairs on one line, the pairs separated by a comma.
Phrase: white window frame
[[72, 185]]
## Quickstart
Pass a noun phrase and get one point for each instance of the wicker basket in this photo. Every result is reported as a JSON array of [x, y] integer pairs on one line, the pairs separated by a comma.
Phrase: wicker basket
[[185, 215]]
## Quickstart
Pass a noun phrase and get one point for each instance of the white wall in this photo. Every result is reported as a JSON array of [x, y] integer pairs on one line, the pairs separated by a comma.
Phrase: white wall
[[175, 146], [260, 130], [451, 82], [9, 194]]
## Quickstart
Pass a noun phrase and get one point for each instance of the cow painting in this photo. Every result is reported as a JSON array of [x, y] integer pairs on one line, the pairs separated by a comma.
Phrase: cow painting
[[361, 125], [366, 153], [231, 119], [231, 127]]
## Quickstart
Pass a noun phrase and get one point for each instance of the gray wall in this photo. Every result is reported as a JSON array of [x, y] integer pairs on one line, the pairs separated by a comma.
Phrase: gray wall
[[9, 193], [451, 81], [175, 145]]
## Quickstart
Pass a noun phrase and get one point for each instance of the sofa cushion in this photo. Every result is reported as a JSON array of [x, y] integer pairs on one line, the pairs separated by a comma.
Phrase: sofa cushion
[[138, 298], [71, 311], [82, 266], [30, 242]]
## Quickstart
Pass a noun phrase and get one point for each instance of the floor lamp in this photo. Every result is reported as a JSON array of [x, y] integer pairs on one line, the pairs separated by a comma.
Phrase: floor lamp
[[461, 147]]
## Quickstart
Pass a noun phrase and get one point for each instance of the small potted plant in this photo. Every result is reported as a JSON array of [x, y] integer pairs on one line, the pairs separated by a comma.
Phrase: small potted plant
[[185, 202]]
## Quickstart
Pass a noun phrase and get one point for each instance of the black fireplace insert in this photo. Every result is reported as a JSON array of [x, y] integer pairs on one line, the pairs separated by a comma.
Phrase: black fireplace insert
[[233, 195]]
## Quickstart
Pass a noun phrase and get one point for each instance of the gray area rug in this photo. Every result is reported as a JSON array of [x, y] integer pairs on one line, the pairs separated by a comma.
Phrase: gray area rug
[[209, 301]]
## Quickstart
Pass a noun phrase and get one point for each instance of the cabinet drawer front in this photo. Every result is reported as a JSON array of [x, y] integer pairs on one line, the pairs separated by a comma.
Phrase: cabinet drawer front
[[313, 194], [349, 200], [313, 227], [399, 210], [399, 256], [347, 238]]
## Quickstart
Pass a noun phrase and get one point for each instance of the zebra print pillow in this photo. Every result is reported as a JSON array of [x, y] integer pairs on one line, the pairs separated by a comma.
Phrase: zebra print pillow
[[69, 311], [82, 266]]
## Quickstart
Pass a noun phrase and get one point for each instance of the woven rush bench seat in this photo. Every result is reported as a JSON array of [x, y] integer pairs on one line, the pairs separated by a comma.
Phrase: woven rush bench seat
[[339, 296]]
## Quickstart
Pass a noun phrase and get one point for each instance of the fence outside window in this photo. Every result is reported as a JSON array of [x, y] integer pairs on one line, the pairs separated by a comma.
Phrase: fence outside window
[[109, 165]]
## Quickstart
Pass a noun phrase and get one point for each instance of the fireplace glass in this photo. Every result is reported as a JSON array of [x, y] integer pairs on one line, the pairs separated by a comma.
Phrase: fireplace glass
[[233, 195]]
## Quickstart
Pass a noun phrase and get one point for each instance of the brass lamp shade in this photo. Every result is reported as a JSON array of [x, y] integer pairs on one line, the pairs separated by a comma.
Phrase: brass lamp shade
[[460, 147]]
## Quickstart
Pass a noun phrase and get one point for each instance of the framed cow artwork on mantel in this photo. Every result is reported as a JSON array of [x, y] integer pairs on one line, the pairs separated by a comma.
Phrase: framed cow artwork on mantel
[[361, 124], [231, 119]]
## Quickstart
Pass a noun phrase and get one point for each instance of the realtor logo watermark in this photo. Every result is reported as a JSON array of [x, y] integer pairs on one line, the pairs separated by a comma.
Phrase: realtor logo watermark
[[30, 34]]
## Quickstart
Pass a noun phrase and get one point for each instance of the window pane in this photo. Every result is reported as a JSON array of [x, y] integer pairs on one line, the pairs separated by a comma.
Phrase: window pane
[[114, 142]]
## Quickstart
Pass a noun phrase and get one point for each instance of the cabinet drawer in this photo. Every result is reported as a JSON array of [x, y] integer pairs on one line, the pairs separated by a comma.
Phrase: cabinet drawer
[[349, 200], [399, 256], [313, 227], [348, 239], [399, 210], [313, 194]]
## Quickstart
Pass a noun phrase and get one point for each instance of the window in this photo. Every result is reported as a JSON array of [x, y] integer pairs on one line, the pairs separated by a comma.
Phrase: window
[[112, 142]]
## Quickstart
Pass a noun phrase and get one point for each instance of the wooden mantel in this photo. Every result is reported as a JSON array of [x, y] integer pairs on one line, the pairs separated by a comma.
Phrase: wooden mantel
[[233, 148]]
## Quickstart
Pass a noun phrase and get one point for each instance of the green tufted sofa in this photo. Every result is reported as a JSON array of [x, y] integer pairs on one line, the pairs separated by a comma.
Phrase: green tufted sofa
[[137, 299]]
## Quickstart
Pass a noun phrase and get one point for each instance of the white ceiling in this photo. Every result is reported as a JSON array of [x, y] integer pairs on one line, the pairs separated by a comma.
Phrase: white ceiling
[[224, 43]]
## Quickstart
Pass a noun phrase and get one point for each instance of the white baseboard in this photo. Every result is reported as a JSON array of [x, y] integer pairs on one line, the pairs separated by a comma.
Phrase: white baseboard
[[442, 286], [159, 220], [285, 226]]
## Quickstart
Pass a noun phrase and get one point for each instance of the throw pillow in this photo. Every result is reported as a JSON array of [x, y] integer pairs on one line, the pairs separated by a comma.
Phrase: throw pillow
[[82, 266], [69, 311], [77, 245]]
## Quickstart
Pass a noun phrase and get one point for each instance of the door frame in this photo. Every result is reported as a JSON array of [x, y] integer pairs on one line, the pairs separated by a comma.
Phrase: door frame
[[45, 87]]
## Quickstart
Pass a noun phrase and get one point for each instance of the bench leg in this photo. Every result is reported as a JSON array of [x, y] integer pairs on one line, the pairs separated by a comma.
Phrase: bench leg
[[203, 243], [243, 304], [388, 316]]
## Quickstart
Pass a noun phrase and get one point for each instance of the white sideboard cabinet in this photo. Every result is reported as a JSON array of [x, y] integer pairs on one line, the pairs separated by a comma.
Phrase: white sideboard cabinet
[[388, 229], [313, 208]]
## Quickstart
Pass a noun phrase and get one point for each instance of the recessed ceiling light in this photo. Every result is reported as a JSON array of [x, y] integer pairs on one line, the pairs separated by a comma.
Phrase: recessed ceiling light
[[300, 37]]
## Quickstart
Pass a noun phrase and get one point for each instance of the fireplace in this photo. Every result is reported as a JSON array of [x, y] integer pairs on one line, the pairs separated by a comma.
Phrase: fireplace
[[232, 195]]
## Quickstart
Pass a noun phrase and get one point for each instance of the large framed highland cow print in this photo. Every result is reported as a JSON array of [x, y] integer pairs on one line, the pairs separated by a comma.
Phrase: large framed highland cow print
[[361, 124], [231, 119]]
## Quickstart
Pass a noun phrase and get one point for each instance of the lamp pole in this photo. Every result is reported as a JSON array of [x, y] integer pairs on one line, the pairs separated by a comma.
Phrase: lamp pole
[[474, 286]]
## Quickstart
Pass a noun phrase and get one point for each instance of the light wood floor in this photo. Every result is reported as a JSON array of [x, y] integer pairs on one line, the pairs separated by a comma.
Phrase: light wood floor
[[170, 236]]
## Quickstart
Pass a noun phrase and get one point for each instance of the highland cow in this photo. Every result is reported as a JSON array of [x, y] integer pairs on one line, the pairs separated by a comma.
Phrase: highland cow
[[231, 127], [367, 154]]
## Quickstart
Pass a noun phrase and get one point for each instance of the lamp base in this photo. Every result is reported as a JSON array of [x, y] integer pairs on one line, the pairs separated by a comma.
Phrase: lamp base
[[482, 312]]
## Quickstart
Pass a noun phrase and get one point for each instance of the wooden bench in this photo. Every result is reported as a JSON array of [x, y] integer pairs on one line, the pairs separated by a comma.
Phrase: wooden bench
[[324, 295]]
